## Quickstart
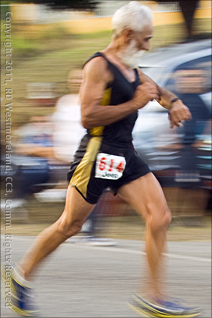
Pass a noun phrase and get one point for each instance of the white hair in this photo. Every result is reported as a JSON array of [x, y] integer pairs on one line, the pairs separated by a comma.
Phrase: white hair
[[133, 16]]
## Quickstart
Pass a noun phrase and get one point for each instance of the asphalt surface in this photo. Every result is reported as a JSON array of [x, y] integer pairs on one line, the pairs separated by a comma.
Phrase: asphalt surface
[[79, 280]]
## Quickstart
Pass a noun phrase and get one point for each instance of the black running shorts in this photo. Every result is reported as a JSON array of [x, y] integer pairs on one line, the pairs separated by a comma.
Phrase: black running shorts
[[97, 166]]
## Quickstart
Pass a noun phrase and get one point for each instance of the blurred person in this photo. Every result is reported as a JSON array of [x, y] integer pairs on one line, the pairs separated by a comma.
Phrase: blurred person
[[35, 138], [33, 154], [112, 91], [67, 132], [190, 84], [66, 118]]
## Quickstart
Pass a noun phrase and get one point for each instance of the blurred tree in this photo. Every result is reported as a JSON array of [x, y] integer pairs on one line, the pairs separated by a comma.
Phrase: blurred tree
[[188, 8], [61, 4], [72, 4]]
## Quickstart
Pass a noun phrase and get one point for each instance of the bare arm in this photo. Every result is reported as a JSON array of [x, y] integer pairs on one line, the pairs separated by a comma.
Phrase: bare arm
[[165, 96], [96, 76], [177, 110], [38, 151]]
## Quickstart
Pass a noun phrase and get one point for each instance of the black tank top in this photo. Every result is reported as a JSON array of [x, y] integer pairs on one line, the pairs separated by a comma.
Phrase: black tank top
[[119, 91]]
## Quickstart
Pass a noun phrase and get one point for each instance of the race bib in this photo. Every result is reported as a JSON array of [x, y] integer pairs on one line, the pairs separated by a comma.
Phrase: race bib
[[109, 166]]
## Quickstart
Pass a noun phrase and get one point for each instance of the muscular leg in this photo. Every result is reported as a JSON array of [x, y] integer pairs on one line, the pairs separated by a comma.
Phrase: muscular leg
[[145, 195], [75, 213]]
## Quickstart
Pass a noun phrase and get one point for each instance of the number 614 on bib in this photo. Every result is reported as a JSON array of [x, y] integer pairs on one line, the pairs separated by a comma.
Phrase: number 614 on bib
[[109, 166]]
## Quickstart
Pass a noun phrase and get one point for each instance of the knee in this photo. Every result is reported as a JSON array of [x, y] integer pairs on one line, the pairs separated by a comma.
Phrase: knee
[[69, 228], [167, 218], [160, 221]]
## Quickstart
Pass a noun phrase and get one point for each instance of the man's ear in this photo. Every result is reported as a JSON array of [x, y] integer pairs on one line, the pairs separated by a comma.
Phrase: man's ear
[[128, 35]]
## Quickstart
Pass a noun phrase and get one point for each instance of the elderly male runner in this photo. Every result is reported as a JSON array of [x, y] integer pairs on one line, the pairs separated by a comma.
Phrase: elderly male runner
[[112, 91]]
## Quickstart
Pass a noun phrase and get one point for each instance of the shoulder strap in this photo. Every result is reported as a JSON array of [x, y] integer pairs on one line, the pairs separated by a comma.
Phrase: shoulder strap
[[137, 76], [113, 67], [95, 55]]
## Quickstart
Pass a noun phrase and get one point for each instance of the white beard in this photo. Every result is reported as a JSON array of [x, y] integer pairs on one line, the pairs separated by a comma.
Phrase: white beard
[[131, 56]]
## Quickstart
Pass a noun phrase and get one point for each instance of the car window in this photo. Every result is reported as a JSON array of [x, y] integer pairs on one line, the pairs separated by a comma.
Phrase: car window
[[200, 63]]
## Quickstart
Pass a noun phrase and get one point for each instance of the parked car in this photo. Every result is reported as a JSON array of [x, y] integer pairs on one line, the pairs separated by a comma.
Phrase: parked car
[[173, 159]]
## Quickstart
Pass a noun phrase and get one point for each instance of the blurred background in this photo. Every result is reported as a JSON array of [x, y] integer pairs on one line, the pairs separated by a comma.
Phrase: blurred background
[[44, 46]]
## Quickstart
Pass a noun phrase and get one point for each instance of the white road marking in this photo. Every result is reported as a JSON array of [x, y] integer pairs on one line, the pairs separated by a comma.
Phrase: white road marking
[[131, 251], [118, 249]]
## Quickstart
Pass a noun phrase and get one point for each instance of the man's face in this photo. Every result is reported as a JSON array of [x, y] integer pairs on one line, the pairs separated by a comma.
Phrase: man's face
[[143, 38], [191, 81], [139, 43]]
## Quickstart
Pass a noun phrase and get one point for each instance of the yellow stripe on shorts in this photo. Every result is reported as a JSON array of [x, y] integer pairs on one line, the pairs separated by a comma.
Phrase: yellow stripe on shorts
[[82, 173]]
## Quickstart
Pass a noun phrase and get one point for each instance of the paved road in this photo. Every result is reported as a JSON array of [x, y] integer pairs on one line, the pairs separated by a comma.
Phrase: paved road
[[79, 280]]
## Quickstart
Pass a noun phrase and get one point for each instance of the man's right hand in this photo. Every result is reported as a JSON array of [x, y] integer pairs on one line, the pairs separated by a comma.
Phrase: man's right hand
[[144, 93]]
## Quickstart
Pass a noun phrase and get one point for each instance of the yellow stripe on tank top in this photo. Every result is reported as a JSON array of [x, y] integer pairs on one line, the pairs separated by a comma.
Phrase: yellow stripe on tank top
[[82, 173], [97, 131]]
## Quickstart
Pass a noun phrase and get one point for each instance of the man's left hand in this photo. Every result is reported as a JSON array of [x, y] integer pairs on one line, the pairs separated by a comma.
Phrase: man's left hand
[[178, 113]]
